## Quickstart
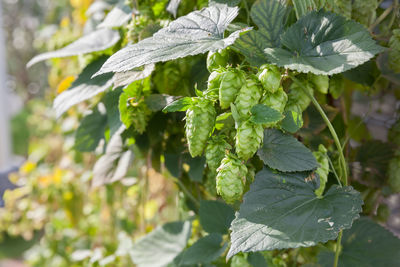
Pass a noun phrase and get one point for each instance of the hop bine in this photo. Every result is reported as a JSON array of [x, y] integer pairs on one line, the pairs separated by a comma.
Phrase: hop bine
[[249, 95], [248, 139]]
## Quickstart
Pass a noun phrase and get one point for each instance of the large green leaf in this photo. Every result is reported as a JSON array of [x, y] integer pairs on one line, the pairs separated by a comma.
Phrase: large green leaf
[[90, 131], [173, 6], [284, 153], [161, 246], [118, 16], [196, 33], [366, 244], [83, 88], [96, 41], [302, 7], [282, 211], [270, 16], [205, 250], [215, 216], [324, 43], [128, 77], [114, 164]]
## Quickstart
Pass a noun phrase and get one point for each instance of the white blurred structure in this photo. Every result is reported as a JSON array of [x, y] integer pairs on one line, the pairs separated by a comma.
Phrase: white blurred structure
[[5, 139]]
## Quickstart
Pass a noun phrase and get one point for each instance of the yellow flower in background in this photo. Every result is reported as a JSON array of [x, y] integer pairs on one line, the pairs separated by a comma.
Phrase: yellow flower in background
[[65, 84], [150, 209], [28, 167], [65, 22], [51, 179]]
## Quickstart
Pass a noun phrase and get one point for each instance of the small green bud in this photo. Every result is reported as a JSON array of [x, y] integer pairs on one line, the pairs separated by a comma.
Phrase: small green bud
[[248, 139], [215, 151], [217, 59], [270, 78], [231, 179], [249, 95], [200, 119]]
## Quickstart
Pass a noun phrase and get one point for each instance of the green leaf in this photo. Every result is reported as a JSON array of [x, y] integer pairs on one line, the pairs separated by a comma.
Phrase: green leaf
[[324, 43], [196, 167], [215, 216], [111, 100], [161, 246], [292, 122], [302, 7], [281, 211], [118, 16], [257, 260], [205, 250], [365, 244], [196, 33], [83, 88], [263, 114], [128, 77], [114, 164], [284, 153], [173, 6], [181, 104], [90, 131], [93, 42], [158, 102], [270, 16]]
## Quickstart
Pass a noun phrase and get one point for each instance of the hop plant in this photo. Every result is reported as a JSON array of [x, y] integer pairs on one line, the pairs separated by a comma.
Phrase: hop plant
[[214, 80], [249, 95], [364, 11], [240, 261], [323, 169], [248, 139], [215, 152], [231, 178], [231, 82], [200, 119], [321, 82], [270, 78], [394, 52], [394, 174], [210, 183], [217, 59], [276, 100], [297, 100]]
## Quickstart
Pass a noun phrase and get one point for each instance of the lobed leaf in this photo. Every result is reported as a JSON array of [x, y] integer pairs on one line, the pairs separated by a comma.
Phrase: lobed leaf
[[282, 211], [215, 216], [263, 114]]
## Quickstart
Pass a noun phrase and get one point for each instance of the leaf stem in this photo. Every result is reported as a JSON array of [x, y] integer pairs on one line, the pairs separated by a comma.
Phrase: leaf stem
[[337, 251], [330, 126]]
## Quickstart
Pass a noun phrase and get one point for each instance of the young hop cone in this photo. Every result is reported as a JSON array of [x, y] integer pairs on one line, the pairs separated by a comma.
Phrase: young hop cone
[[321, 83], [270, 78], [249, 95], [231, 82], [248, 139], [200, 119], [276, 100], [297, 100], [230, 178], [215, 152], [217, 59]]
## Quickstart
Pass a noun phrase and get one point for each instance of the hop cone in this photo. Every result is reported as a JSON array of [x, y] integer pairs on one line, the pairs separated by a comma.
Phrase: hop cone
[[230, 179], [215, 152], [249, 95], [248, 139], [231, 82], [276, 100], [200, 120], [214, 80], [394, 174], [217, 59], [321, 83], [394, 52], [297, 100], [270, 78], [323, 169]]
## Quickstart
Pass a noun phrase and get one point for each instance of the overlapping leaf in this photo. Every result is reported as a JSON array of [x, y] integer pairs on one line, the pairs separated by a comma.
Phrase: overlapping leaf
[[284, 153], [96, 41], [215, 216], [324, 43], [118, 16], [195, 33], [282, 211], [270, 16]]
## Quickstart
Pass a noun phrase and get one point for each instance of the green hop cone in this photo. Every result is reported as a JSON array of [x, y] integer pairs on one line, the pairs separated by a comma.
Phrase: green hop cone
[[217, 59], [270, 78], [321, 82], [249, 95], [394, 52], [214, 80], [323, 169], [276, 100], [394, 174], [200, 119], [230, 178], [297, 100], [215, 152], [231, 82], [336, 86], [248, 139]]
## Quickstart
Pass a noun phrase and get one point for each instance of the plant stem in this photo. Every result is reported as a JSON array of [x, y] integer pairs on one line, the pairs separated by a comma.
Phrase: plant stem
[[337, 252], [331, 129]]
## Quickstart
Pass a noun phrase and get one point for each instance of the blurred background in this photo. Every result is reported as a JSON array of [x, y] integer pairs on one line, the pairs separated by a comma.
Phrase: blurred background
[[32, 139]]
